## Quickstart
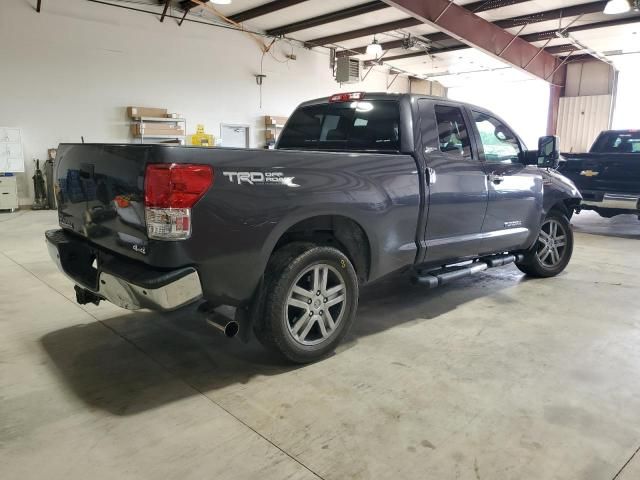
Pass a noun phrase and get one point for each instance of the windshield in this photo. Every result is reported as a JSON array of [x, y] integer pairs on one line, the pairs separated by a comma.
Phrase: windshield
[[353, 126], [617, 142]]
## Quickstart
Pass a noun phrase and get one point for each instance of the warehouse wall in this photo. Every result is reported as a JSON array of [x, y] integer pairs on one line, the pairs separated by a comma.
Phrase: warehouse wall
[[587, 104], [71, 70]]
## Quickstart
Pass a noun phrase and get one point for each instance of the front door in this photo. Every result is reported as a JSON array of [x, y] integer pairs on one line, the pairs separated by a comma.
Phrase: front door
[[515, 190], [457, 186]]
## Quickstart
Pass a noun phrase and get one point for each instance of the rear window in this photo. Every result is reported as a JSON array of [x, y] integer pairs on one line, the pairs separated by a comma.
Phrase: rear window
[[355, 126], [617, 142]]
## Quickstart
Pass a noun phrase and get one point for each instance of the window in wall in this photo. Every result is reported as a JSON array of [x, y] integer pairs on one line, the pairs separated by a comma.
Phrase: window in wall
[[499, 143], [453, 135]]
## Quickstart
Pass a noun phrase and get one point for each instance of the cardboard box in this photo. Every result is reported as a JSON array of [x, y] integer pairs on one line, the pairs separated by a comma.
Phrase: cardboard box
[[272, 121], [155, 129], [134, 112]]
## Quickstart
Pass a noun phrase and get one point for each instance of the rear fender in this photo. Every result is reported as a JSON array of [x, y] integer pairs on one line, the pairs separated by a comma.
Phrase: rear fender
[[293, 219]]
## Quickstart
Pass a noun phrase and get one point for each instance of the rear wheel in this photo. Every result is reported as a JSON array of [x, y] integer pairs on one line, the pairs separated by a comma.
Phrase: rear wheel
[[552, 251], [311, 300]]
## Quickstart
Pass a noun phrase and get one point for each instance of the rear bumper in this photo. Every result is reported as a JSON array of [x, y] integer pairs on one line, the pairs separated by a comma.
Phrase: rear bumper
[[124, 283], [613, 201]]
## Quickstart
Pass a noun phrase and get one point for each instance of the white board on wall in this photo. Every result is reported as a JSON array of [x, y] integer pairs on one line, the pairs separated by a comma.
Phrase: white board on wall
[[11, 157], [234, 135]]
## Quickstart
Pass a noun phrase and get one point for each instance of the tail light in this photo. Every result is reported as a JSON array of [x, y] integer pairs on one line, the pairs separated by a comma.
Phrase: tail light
[[170, 191], [346, 97]]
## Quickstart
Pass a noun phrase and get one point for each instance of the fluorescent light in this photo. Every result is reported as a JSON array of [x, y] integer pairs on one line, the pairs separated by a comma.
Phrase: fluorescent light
[[614, 7], [222, 2], [374, 48]]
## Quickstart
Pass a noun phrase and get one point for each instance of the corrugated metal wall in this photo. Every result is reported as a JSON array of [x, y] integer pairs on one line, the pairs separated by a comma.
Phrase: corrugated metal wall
[[581, 119]]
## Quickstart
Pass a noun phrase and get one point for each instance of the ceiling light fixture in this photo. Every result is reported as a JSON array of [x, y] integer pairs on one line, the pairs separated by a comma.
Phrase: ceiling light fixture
[[374, 48], [222, 2], [615, 7]]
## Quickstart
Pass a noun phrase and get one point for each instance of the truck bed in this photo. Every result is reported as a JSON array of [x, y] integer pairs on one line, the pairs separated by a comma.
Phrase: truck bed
[[255, 197]]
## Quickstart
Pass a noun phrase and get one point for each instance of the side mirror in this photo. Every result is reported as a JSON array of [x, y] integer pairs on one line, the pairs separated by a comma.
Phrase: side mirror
[[548, 152]]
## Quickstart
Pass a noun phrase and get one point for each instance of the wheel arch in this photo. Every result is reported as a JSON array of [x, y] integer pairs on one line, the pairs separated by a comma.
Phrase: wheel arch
[[336, 230], [566, 205]]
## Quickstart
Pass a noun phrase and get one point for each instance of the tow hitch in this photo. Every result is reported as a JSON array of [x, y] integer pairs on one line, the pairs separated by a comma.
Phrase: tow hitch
[[84, 296]]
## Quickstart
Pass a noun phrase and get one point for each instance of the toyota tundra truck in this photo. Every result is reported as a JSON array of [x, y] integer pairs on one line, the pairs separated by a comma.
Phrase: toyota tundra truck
[[358, 187]]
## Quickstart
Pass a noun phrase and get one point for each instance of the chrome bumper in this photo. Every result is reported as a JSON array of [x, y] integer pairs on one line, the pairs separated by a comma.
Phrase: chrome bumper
[[125, 294], [615, 201]]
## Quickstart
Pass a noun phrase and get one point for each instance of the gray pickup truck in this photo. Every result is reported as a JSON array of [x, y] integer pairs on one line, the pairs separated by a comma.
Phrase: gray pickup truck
[[359, 186], [608, 177]]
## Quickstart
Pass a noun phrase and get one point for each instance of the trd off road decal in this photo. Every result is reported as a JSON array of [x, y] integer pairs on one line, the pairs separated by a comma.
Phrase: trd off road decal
[[260, 178]]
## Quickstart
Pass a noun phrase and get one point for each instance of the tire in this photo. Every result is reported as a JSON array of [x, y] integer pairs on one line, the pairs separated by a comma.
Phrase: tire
[[543, 261], [305, 332]]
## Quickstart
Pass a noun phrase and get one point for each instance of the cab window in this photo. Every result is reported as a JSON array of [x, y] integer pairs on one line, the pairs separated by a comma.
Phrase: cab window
[[368, 126], [453, 135], [499, 143], [618, 142]]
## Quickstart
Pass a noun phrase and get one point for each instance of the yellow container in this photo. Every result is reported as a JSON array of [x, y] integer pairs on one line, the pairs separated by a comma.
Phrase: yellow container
[[201, 138]]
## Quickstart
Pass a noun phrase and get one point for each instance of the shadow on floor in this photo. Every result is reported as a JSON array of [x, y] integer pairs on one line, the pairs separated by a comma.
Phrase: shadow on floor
[[620, 226], [107, 373]]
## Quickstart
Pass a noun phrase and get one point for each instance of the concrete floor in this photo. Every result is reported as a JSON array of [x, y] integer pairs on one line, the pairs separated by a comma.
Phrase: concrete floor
[[493, 377]]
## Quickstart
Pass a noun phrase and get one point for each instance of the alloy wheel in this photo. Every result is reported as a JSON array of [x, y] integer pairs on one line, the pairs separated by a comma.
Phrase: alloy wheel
[[552, 243], [315, 304]]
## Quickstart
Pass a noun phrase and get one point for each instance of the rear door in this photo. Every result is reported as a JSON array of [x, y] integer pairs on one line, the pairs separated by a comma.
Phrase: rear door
[[457, 186], [515, 189]]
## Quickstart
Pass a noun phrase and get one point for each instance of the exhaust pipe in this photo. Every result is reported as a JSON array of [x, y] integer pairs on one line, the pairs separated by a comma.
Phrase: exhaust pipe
[[229, 328]]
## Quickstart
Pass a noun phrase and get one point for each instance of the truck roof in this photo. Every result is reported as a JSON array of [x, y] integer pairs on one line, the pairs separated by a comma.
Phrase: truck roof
[[394, 96]]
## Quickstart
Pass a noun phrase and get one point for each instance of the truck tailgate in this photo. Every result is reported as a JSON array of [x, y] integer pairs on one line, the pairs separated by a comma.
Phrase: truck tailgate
[[604, 172], [100, 194]]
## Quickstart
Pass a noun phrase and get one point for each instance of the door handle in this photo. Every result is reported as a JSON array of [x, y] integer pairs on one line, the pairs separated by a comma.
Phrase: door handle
[[431, 176], [495, 178]]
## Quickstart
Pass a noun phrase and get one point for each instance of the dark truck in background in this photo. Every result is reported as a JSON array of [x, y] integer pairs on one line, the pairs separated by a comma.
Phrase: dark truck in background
[[359, 186], [608, 177]]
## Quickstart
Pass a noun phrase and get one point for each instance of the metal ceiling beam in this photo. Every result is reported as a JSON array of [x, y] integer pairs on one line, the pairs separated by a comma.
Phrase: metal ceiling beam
[[556, 49], [533, 37], [328, 18], [566, 48], [486, 5], [513, 22], [370, 7], [366, 31], [403, 56], [546, 35], [583, 57], [264, 10], [549, 15], [485, 36], [474, 7]]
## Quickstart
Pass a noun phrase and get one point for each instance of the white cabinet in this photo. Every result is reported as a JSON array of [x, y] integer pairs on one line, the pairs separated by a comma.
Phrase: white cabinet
[[8, 193], [11, 158]]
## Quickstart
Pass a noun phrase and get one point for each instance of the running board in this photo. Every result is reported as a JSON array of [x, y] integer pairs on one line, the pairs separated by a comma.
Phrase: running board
[[444, 275]]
